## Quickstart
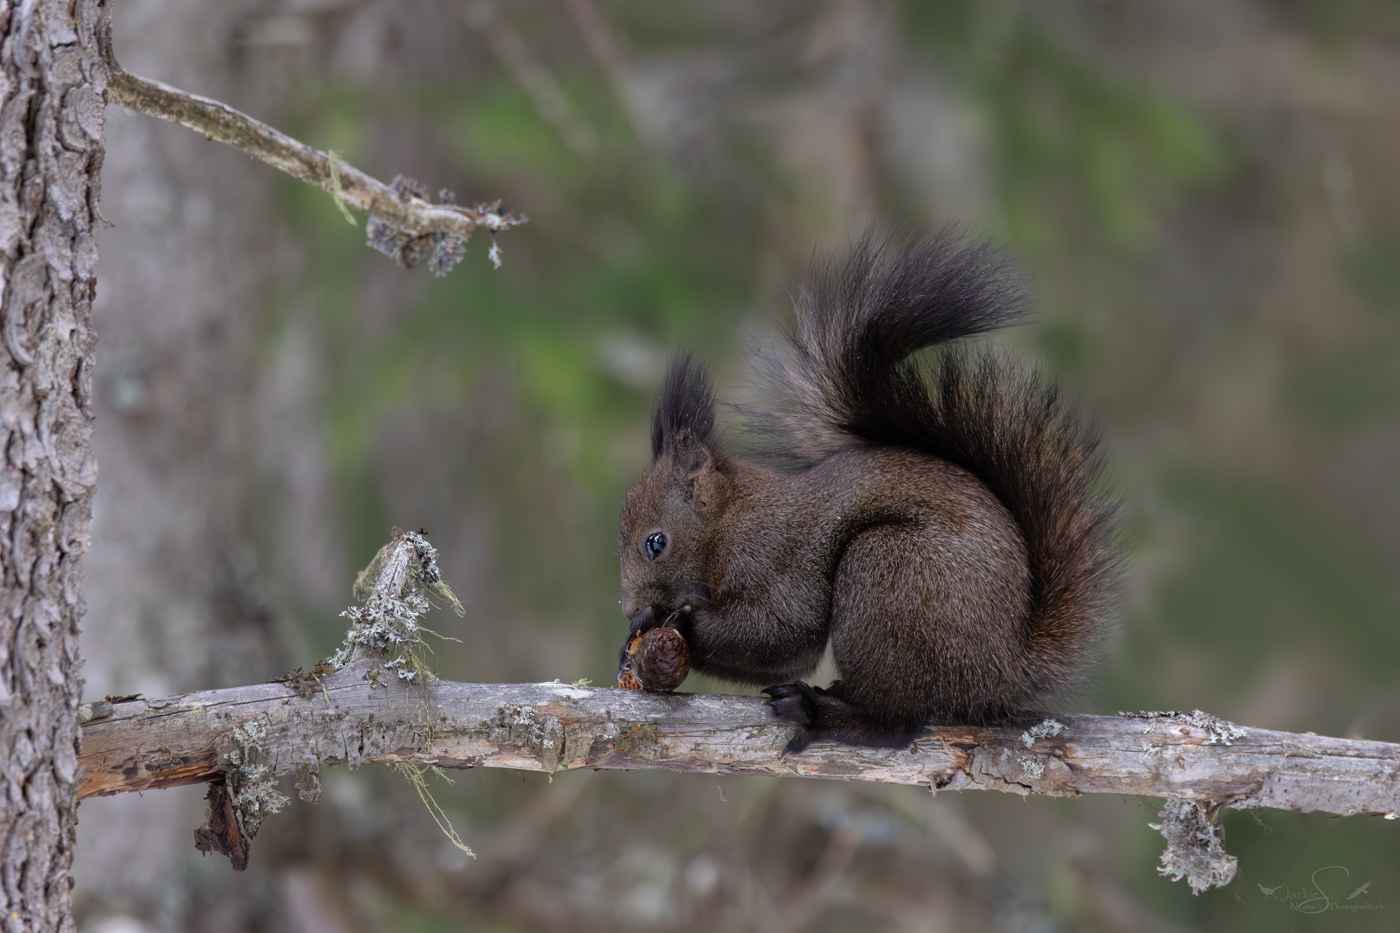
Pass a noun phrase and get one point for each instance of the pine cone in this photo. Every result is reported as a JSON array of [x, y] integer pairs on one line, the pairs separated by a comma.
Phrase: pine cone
[[657, 660]]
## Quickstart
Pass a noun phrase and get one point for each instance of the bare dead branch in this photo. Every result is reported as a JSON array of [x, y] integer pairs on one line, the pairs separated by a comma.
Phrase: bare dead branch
[[401, 209], [355, 716]]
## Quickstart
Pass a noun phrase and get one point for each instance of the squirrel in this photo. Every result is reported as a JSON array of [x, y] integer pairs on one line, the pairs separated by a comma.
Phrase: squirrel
[[939, 526]]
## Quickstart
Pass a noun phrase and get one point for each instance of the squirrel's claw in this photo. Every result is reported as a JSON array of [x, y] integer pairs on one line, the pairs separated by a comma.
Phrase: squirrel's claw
[[826, 714], [798, 743], [795, 703]]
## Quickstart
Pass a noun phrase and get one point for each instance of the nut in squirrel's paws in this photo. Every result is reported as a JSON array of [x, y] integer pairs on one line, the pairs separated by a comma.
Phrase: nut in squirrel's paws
[[657, 660]]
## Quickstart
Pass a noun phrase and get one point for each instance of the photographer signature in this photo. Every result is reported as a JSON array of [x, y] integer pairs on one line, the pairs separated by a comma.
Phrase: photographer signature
[[1321, 901]]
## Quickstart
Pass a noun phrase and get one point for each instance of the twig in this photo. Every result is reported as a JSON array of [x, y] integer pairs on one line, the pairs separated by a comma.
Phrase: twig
[[390, 204]]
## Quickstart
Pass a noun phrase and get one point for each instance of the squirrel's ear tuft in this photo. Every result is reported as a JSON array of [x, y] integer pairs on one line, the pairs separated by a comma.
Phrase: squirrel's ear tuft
[[691, 456], [685, 405], [694, 469]]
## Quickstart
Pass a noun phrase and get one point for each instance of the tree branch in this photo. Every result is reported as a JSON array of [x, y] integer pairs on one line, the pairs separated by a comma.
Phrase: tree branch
[[376, 701], [354, 715], [404, 210]]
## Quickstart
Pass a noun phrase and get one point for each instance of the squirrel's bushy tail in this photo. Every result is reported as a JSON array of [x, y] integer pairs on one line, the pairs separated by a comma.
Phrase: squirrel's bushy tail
[[848, 382]]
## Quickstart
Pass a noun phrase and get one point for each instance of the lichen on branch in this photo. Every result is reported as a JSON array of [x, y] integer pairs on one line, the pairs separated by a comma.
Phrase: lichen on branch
[[394, 590], [1195, 845]]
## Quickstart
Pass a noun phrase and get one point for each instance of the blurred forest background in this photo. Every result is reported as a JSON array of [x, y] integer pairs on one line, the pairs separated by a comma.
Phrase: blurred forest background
[[1205, 195]]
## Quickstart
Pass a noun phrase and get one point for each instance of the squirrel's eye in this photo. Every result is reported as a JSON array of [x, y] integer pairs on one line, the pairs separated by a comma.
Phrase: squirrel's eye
[[656, 543]]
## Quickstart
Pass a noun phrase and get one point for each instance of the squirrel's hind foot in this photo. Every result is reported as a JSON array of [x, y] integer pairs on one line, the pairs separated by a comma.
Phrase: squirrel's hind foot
[[796, 703], [825, 714]]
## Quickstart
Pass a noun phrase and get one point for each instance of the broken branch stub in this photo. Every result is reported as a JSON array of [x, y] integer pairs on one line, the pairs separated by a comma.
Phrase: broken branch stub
[[395, 589], [384, 635]]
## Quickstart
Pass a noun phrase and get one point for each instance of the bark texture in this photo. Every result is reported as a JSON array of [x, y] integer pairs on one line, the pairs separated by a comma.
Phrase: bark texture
[[51, 91], [367, 714]]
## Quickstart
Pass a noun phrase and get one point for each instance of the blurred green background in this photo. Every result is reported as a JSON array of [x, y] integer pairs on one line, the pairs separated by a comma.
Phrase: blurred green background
[[1205, 197]]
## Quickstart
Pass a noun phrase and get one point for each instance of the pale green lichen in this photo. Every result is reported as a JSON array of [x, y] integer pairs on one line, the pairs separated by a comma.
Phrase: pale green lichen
[[413, 774], [333, 164], [251, 783], [518, 725], [1031, 766], [523, 726], [1045, 730], [395, 590], [1195, 846], [1220, 731]]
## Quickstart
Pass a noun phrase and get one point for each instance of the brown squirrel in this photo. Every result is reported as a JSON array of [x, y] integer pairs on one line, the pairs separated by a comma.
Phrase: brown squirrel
[[938, 526]]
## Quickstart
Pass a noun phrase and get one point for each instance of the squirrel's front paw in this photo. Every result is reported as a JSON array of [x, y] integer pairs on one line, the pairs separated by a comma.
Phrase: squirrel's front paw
[[796, 703], [646, 619]]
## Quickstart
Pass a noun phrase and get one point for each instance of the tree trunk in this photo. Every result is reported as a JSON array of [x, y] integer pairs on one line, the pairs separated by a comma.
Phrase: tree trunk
[[50, 158]]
